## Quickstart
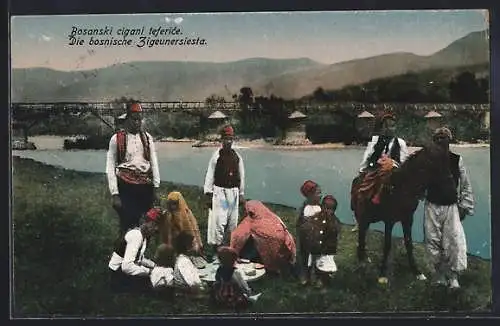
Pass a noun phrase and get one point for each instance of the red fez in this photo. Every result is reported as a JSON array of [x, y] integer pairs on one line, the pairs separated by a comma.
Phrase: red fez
[[153, 214], [308, 188], [135, 107], [227, 131], [330, 201], [227, 255]]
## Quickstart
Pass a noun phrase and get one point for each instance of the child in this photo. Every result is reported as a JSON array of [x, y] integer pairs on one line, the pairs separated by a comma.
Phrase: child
[[230, 288], [162, 275], [312, 192], [185, 273], [329, 229]]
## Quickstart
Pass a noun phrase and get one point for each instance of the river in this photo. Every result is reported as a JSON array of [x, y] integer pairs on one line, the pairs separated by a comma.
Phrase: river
[[275, 176]]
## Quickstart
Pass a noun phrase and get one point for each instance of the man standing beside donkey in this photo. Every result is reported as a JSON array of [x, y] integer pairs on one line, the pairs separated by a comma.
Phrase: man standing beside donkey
[[449, 199], [132, 170], [224, 189]]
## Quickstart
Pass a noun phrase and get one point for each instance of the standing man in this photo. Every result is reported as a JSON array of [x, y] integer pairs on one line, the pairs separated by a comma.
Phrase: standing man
[[132, 170], [386, 143], [448, 200], [224, 189]]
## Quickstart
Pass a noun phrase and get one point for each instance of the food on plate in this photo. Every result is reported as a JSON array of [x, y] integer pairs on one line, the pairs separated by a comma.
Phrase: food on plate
[[258, 266]]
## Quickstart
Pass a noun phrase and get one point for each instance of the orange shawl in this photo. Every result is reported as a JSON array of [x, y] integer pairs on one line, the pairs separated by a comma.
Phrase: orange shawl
[[181, 220]]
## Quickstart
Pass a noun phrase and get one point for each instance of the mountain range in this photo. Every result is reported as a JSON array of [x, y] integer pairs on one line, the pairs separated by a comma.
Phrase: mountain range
[[195, 81]]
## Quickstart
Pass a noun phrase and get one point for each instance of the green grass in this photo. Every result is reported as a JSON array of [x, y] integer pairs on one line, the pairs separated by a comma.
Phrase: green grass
[[64, 229]]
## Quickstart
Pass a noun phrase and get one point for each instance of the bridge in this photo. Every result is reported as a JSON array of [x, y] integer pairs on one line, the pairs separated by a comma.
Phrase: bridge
[[25, 115]]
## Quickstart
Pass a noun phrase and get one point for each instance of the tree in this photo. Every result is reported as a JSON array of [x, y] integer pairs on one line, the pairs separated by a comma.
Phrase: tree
[[245, 100], [214, 101], [465, 89], [321, 96]]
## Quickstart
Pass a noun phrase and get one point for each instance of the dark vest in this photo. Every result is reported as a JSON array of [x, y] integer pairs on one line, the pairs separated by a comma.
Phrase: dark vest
[[444, 190], [227, 171], [381, 147]]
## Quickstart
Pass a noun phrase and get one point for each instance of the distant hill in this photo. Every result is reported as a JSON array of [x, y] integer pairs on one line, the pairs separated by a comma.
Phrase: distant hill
[[470, 50], [434, 82], [155, 81], [194, 81]]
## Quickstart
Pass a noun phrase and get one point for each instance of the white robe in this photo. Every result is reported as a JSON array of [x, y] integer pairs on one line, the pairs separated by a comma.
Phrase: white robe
[[444, 234], [161, 277], [225, 203], [185, 273]]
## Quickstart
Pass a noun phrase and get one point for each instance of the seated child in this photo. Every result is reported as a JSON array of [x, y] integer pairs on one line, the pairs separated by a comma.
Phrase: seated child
[[185, 272], [230, 288], [162, 275]]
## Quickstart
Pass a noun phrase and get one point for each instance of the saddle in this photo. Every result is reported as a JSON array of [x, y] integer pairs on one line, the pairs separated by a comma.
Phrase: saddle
[[373, 182]]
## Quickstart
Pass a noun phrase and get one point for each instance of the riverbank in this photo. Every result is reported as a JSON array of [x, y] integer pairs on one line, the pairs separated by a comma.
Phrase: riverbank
[[56, 142], [64, 228]]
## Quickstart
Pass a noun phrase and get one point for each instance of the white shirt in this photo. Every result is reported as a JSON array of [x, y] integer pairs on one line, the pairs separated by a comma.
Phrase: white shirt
[[162, 277], [369, 151], [134, 159], [185, 273], [209, 176], [136, 243], [311, 210]]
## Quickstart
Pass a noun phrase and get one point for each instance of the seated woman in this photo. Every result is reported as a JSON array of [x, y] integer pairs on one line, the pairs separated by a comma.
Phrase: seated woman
[[230, 288], [162, 275], [267, 237], [186, 275], [178, 218]]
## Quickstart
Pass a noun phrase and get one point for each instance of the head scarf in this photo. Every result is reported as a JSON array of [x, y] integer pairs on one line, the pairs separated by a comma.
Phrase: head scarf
[[308, 188], [443, 131], [181, 220], [272, 238], [227, 131], [153, 215]]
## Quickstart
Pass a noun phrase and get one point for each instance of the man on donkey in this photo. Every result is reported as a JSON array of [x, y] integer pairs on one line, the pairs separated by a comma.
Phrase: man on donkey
[[132, 170], [448, 200], [386, 144]]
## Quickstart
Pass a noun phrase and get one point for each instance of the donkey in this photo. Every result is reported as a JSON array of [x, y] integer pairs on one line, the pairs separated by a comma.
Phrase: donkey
[[399, 199]]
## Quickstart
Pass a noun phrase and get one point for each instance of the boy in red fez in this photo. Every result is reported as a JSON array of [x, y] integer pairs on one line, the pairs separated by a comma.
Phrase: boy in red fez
[[311, 206], [224, 189]]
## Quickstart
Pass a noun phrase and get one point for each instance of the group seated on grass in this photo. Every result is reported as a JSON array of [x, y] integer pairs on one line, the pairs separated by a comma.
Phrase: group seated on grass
[[178, 259]]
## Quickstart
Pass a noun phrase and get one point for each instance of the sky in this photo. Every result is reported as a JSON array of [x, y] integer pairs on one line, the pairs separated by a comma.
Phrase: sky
[[326, 37]]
